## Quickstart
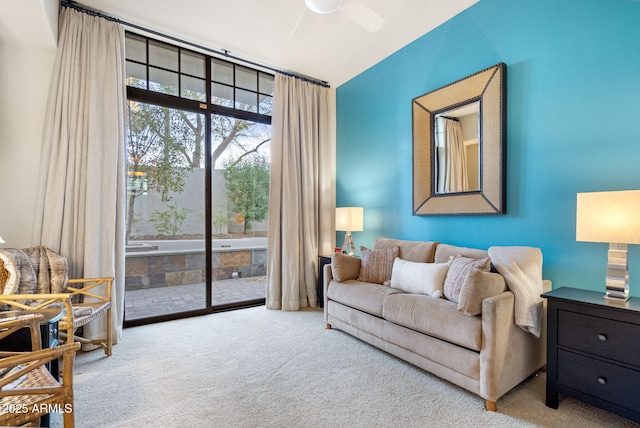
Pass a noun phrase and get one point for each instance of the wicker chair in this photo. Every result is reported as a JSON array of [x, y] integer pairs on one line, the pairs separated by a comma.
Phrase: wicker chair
[[35, 392], [81, 299]]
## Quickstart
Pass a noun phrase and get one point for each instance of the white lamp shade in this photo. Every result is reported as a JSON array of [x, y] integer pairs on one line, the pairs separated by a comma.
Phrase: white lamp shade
[[350, 219], [612, 217], [1, 240]]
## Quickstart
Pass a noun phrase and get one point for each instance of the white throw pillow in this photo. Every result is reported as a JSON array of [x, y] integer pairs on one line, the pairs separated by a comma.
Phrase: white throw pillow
[[419, 278]]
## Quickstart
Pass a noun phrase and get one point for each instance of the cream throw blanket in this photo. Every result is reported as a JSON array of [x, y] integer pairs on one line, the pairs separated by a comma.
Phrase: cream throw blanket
[[521, 267]]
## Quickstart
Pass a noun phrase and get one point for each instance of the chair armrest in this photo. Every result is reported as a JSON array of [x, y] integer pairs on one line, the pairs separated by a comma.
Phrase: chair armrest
[[90, 290], [38, 301], [41, 356], [34, 359], [43, 301]]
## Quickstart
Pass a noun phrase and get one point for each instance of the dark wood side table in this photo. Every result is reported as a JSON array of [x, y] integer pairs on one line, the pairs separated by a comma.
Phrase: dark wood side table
[[322, 260], [593, 350]]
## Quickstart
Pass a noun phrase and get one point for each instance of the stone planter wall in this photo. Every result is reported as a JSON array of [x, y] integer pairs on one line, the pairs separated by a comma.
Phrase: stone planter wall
[[149, 270]]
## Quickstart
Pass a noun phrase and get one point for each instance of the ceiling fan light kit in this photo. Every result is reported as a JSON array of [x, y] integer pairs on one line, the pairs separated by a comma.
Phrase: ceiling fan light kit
[[354, 9], [323, 6]]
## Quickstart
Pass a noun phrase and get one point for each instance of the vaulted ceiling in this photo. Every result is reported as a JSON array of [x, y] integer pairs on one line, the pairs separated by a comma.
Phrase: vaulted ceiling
[[332, 47]]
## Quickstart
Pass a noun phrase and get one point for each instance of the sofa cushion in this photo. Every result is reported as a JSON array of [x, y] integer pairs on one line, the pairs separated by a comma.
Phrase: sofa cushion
[[478, 286], [445, 251], [435, 317], [344, 267], [376, 265], [458, 271], [419, 278], [414, 251], [364, 296]]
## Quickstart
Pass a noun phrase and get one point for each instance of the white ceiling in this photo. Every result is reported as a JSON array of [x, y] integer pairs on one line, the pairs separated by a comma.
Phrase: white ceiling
[[335, 48]]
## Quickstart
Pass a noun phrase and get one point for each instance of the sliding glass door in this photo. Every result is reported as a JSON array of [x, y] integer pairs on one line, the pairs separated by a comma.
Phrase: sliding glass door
[[198, 182], [165, 253], [240, 160]]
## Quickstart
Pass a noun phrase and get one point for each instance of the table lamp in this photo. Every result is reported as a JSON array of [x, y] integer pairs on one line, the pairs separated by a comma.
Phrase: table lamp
[[349, 219], [1, 240], [612, 217]]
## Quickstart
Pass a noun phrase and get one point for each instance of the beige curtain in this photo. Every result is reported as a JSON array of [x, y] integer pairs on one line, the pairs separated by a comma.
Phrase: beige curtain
[[300, 151], [80, 212], [455, 157]]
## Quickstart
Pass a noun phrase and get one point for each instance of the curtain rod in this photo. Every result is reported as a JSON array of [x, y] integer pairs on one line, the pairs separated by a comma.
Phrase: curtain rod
[[223, 53]]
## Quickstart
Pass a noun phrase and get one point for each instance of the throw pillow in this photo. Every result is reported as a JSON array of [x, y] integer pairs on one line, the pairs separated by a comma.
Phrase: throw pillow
[[344, 267], [478, 286], [376, 265], [459, 267], [419, 278], [10, 276]]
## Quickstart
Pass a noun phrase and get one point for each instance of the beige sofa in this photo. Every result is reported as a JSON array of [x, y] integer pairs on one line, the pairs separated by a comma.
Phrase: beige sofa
[[485, 353]]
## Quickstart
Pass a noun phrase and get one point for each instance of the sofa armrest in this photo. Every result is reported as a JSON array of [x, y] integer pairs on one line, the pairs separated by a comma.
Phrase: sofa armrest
[[327, 277], [345, 268], [508, 353], [497, 323]]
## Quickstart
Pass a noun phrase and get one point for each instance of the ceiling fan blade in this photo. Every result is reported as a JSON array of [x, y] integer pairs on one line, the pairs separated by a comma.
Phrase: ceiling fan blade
[[363, 15], [303, 25]]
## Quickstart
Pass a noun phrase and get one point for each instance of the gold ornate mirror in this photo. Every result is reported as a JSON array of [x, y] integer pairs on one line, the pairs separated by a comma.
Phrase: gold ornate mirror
[[458, 146]]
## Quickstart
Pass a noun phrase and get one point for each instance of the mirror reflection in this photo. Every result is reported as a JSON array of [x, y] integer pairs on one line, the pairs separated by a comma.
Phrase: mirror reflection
[[457, 149]]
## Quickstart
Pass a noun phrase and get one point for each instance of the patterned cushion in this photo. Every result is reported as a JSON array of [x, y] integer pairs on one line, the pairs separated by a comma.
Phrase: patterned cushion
[[10, 275], [376, 265], [4, 275], [458, 271]]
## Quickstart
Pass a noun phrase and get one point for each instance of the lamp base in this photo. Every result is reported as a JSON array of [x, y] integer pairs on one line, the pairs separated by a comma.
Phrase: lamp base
[[617, 273], [347, 246]]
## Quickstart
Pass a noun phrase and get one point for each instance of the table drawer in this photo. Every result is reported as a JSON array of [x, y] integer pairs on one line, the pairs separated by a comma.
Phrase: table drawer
[[607, 338], [51, 335], [599, 379]]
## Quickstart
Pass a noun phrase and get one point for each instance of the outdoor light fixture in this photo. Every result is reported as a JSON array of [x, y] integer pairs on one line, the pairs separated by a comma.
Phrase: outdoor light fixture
[[323, 6], [612, 217], [349, 219], [137, 183]]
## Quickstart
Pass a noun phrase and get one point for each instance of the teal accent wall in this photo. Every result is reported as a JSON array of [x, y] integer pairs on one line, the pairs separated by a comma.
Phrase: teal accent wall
[[573, 125]]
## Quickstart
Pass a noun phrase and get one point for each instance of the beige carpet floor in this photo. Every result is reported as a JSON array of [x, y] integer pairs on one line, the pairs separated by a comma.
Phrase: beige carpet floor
[[261, 368]]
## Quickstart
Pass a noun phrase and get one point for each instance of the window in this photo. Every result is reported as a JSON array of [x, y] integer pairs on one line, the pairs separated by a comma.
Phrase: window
[[198, 147], [166, 69]]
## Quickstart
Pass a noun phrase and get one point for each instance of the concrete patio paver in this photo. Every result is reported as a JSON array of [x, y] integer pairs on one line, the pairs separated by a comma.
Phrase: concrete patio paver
[[180, 298]]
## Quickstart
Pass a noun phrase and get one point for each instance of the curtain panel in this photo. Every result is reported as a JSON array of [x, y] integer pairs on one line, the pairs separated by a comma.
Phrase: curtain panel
[[81, 202], [298, 191], [456, 157]]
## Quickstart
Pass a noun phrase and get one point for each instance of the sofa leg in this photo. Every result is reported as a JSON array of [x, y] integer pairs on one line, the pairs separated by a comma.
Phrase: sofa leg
[[491, 406], [328, 326]]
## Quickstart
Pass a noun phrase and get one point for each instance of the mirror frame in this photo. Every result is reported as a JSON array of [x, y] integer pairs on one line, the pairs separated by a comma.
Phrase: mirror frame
[[489, 87]]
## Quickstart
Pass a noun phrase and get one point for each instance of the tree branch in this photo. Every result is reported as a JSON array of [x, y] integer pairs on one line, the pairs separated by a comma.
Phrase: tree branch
[[254, 150]]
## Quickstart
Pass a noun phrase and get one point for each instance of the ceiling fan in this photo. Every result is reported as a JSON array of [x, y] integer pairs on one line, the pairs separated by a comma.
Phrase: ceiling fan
[[354, 9]]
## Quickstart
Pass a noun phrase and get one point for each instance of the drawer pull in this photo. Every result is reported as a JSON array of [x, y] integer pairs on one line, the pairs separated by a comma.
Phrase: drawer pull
[[602, 337], [602, 380]]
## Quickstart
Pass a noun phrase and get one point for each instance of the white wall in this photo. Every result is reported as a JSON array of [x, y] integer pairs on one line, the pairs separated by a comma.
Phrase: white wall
[[26, 61]]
